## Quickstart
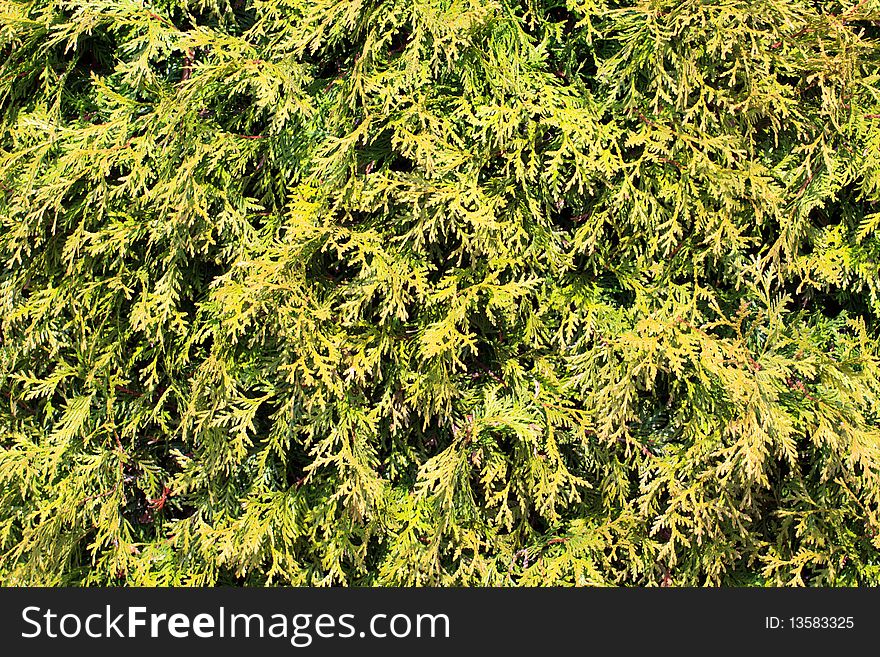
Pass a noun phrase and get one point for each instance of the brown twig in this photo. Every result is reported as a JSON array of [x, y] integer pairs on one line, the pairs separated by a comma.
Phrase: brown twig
[[798, 385], [804, 185], [400, 48], [800, 32], [19, 402], [645, 119], [677, 248], [675, 163], [100, 495], [128, 391], [852, 10], [158, 503], [159, 18], [187, 65]]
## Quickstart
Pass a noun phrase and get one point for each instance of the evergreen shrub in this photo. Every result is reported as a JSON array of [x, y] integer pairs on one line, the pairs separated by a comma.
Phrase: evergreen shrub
[[440, 292]]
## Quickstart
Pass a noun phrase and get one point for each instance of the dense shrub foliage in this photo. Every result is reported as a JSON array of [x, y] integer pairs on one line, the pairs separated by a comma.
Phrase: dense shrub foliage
[[459, 292]]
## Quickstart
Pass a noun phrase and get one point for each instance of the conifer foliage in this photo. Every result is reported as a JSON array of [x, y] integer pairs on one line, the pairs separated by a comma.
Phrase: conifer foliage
[[440, 292]]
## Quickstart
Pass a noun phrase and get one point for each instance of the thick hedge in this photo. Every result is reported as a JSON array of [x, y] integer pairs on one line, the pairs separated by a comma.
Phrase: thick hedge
[[459, 292]]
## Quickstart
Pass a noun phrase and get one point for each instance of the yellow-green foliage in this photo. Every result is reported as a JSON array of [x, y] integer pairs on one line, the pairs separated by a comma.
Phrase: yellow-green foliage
[[458, 292]]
